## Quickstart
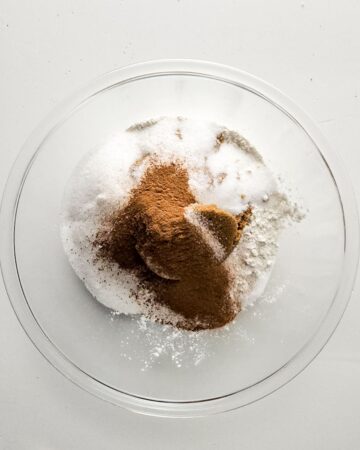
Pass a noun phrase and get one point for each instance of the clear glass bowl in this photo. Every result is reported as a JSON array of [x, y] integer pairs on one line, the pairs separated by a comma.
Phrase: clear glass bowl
[[121, 360]]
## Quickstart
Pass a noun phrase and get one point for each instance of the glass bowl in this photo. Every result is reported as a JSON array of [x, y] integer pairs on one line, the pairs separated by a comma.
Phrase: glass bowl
[[146, 367]]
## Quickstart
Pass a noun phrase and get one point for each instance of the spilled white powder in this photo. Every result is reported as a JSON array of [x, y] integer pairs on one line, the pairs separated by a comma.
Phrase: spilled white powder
[[179, 348], [224, 169]]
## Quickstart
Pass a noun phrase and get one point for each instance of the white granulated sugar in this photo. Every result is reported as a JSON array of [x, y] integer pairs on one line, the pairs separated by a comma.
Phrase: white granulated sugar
[[238, 178], [223, 170]]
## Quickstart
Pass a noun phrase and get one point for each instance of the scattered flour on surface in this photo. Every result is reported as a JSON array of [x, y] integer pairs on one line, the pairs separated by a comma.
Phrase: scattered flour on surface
[[179, 348]]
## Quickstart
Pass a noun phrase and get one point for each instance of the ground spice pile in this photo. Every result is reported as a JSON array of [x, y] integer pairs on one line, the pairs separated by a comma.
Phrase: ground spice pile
[[152, 238]]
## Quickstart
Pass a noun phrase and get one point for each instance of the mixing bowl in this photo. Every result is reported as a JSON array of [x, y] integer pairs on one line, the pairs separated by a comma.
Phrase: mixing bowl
[[146, 367]]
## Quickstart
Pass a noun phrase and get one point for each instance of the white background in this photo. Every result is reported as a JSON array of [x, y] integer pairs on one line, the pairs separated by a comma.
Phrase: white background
[[308, 49]]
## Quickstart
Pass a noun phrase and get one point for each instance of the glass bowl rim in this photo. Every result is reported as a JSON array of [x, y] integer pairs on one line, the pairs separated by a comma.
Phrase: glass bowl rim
[[48, 349]]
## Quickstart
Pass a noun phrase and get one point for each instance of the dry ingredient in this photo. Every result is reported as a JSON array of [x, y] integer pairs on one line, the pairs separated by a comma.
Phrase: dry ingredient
[[230, 200], [152, 237]]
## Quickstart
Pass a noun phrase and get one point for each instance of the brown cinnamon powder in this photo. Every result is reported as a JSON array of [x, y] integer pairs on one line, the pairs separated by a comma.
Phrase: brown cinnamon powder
[[223, 226], [152, 238]]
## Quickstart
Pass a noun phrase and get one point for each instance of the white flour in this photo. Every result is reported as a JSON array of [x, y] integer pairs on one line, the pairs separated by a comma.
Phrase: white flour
[[252, 260]]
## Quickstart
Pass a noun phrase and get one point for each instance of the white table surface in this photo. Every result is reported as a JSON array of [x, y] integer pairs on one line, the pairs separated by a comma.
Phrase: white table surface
[[308, 49]]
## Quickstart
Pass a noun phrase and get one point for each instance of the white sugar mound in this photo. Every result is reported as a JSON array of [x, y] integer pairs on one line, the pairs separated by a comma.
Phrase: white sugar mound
[[223, 169]]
